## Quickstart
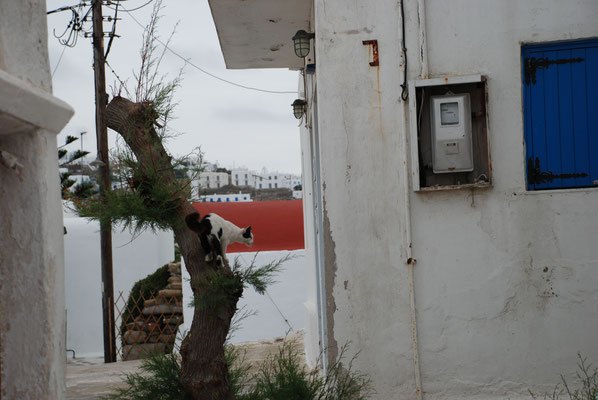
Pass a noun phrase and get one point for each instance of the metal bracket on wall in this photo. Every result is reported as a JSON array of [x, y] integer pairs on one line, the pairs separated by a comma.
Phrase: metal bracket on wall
[[535, 176], [533, 63], [374, 46]]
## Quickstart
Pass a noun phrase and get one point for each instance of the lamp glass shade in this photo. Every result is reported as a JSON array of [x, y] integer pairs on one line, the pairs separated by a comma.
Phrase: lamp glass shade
[[301, 43], [299, 108]]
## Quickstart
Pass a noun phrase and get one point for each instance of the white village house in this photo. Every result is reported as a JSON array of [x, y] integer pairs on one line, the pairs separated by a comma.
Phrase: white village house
[[450, 190]]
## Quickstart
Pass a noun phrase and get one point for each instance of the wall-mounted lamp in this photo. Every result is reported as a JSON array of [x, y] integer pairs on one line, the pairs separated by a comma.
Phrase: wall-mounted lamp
[[299, 108], [301, 43]]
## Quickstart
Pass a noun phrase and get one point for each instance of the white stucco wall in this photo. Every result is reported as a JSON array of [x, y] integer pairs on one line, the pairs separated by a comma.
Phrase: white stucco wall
[[133, 259], [32, 358], [287, 296], [488, 262]]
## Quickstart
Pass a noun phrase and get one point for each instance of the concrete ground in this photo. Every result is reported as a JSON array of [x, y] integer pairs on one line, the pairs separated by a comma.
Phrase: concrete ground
[[90, 379]]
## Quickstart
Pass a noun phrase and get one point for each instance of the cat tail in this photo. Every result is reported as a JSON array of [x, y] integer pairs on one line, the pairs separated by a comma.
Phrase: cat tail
[[192, 221]]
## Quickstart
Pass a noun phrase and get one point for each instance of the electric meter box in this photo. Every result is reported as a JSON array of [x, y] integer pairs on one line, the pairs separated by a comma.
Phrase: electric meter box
[[450, 123]]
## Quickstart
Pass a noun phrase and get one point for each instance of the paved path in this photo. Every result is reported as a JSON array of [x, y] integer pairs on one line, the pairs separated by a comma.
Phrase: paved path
[[90, 379]]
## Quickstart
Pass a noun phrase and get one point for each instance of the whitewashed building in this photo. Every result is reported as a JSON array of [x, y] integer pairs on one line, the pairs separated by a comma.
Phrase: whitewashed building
[[264, 180], [32, 327], [211, 180], [242, 177], [449, 164], [225, 198]]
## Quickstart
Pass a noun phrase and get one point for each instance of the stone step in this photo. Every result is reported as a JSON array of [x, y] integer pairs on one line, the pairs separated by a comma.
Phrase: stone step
[[161, 338], [163, 309], [170, 293], [131, 337], [175, 286], [137, 351]]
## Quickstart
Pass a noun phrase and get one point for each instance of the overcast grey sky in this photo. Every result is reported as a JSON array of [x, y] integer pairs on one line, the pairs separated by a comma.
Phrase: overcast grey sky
[[234, 126]]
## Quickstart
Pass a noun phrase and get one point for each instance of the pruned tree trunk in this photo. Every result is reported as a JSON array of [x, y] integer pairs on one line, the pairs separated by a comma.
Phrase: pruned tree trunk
[[204, 370]]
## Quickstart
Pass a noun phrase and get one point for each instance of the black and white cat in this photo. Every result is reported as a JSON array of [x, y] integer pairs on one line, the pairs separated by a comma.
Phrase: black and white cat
[[215, 234]]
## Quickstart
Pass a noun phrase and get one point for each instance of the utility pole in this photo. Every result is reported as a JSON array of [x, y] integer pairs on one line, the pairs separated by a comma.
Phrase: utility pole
[[102, 149]]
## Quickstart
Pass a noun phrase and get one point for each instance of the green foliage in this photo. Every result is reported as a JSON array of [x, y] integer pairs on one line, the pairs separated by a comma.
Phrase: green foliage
[[65, 184], [148, 199], [223, 288], [283, 377], [238, 369], [84, 190], [144, 288], [160, 378], [77, 154], [151, 208], [153, 88], [259, 277], [69, 139], [177, 253], [219, 289], [587, 389]]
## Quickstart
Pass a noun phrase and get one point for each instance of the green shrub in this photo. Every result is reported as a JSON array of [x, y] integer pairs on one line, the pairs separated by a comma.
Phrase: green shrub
[[160, 378], [144, 288], [283, 377], [587, 388]]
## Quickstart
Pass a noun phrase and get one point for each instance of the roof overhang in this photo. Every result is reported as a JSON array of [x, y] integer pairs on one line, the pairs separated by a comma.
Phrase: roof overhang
[[258, 33]]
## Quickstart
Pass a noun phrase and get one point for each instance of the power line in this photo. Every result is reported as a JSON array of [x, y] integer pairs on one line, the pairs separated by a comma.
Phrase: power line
[[272, 300], [203, 70], [59, 59], [141, 6]]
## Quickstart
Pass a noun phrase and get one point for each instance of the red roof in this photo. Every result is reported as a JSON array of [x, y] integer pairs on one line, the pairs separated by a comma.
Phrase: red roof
[[276, 225]]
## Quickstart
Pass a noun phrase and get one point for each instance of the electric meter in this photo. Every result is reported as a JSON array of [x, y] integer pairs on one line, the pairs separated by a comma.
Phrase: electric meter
[[450, 122]]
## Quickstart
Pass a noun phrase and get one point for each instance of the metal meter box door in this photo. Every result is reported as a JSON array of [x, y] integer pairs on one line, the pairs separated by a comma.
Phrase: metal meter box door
[[450, 122]]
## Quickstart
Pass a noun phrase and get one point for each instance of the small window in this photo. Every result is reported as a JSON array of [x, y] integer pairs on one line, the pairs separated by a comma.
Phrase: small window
[[236, 199], [269, 185], [276, 185], [560, 98]]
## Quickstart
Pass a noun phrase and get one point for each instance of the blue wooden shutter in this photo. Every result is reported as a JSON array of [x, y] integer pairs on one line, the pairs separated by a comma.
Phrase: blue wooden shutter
[[561, 114]]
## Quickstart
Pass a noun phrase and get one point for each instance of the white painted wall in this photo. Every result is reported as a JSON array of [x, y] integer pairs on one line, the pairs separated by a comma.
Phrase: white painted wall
[[31, 255], [289, 294], [133, 259], [485, 259]]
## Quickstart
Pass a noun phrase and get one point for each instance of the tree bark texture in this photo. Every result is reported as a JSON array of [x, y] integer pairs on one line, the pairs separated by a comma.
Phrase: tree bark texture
[[204, 370]]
